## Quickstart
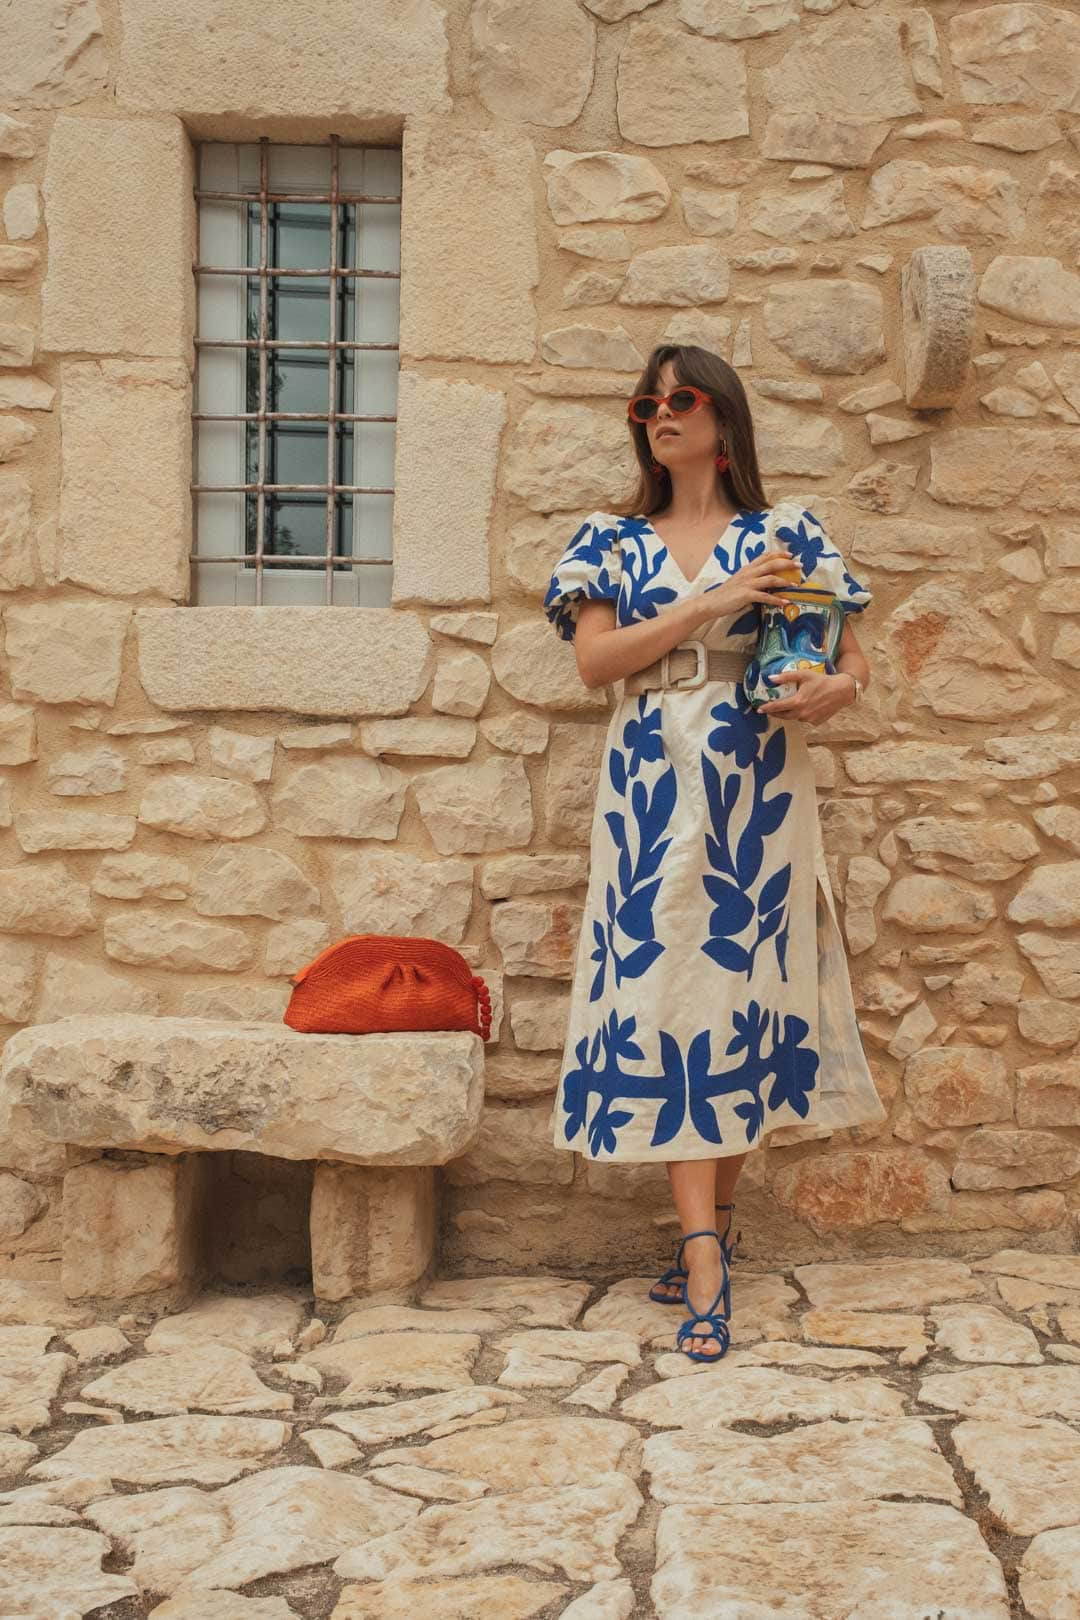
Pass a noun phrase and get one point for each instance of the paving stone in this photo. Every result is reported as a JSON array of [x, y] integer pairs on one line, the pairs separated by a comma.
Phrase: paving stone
[[481, 1597], [607, 1600], [273, 1522], [880, 1329], [15, 1455], [574, 1344], [1006, 1392], [769, 1353], [574, 1529], [25, 1342], [601, 1391], [407, 1319], [1050, 1575], [214, 1378], [403, 1418], [900, 1560], [251, 1323], [1020, 1295], [524, 1369], [28, 1383], [103, 1414], [1058, 1270], [40, 1303], [529, 1451], [983, 1333], [1064, 1352], [102, 1343], [56, 1574], [540, 1301], [714, 1397], [821, 1462], [1028, 1467], [427, 1484], [759, 1303], [1068, 1322], [333, 1450], [222, 1606], [429, 1360], [887, 1285], [209, 1450]]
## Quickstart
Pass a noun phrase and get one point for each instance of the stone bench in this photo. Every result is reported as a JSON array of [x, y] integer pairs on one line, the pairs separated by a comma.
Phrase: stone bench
[[375, 1112]]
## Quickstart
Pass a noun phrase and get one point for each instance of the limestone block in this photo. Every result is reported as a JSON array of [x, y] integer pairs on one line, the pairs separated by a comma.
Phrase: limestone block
[[1014, 1158], [564, 457], [1048, 1093], [475, 808], [241, 755], [462, 680], [937, 289], [341, 798], [700, 96], [963, 202], [18, 734], [846, 1191], [1018, 53], [431, 736], [584, 186], [958, 1085], [535, 665], [134, 876], [370, 1228], [393, 892], [69, 987], [1038, 468], [811, 214], [573, 773], [66, 652], [131, 1229], [532, 65], [815, 137], [18, 976], [247, 882], [72, 829], [298, 660], [44, 898], [156, 937], [537, 938], [1031, 289], [16, 344], [16, 552], [830, 325], [514, 1144], [241, 53], [687, 276], [87, 771], [513, 875], [204, 807], [22, 213], [472, 196], [53, 53], [173, 1084], [845, 70], [790, 439], [122, 533]]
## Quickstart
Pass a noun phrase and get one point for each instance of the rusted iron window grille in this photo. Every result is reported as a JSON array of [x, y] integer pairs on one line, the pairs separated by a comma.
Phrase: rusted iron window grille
[[296, 380]]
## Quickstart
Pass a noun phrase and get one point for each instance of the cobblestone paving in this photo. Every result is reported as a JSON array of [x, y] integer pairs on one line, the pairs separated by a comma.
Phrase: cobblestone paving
[[891, 1440]]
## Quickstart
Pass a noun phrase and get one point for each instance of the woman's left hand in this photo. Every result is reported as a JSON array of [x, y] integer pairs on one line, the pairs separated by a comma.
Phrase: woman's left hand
[[819, 695]]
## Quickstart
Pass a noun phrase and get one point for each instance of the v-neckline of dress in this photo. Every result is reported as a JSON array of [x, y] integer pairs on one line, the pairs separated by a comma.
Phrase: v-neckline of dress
[[711, 553]]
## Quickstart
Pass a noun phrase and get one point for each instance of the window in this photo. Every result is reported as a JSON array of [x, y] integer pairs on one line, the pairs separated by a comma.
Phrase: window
[[298, 274]]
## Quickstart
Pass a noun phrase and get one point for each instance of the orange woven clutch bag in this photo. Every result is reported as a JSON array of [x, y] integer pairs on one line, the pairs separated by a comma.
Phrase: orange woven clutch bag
[[369, 983]]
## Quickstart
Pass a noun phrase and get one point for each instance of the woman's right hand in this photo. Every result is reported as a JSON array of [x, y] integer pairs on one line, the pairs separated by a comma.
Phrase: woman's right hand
[[756, 581]]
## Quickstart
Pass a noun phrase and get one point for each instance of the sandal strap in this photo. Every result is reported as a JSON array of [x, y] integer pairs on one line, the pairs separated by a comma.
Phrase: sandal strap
[[686, 1330]]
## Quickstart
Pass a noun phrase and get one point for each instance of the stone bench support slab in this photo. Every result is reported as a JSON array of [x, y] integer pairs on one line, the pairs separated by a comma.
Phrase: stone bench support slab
[[175, 1085]]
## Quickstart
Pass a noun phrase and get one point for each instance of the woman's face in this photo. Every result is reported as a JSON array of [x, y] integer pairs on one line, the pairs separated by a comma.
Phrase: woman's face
[[678, 441]]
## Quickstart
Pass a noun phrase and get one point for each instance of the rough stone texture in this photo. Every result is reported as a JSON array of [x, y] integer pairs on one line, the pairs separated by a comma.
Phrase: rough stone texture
[[65, 652], [118, 279], [937, 290], [405, 1099], [130, 1228], [53, 54], [370, 1228], [294, 660]]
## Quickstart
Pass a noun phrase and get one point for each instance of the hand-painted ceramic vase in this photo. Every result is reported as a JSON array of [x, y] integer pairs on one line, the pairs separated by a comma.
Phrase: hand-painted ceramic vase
[[802, 631]]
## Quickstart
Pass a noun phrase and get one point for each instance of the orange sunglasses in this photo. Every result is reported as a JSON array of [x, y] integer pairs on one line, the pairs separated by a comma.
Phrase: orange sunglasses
[[644, 407]]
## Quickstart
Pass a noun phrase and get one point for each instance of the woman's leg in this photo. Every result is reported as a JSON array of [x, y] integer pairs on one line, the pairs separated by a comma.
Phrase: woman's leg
[[697, 1186]]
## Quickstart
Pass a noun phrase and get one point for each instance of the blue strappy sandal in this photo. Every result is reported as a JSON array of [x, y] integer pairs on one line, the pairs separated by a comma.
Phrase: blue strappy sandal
[[677, 1272], [717, 1326]]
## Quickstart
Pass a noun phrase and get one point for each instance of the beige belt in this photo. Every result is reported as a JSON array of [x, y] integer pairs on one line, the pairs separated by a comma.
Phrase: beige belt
[[688, 664]]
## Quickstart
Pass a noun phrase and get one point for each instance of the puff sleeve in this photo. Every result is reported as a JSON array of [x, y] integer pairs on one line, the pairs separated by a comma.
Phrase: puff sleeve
[[822, 564], [589, 569]]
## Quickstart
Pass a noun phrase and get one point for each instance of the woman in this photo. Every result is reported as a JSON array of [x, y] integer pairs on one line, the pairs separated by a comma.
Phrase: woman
[[711, 1001]]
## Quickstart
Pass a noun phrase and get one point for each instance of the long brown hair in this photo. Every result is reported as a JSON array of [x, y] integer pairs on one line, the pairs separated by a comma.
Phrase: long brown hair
[[712, 374]]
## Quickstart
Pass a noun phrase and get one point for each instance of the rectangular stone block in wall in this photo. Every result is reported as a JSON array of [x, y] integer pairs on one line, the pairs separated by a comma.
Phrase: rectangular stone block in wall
[[120, 212], [125, 503], [132, 1228], [371, 1229]]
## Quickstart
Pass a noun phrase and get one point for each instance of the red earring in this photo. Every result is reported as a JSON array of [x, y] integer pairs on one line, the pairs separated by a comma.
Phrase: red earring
[[658, 467], [722, 460]]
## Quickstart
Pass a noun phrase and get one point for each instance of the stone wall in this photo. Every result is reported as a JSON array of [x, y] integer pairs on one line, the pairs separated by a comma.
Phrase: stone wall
[[871, 210]]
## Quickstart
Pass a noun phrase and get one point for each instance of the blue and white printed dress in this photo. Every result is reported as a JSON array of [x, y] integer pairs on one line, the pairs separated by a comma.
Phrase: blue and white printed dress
[[711, 1001]]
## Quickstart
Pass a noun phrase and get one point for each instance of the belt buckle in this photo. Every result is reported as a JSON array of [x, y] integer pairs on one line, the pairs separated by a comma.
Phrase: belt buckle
[[684, 682]]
